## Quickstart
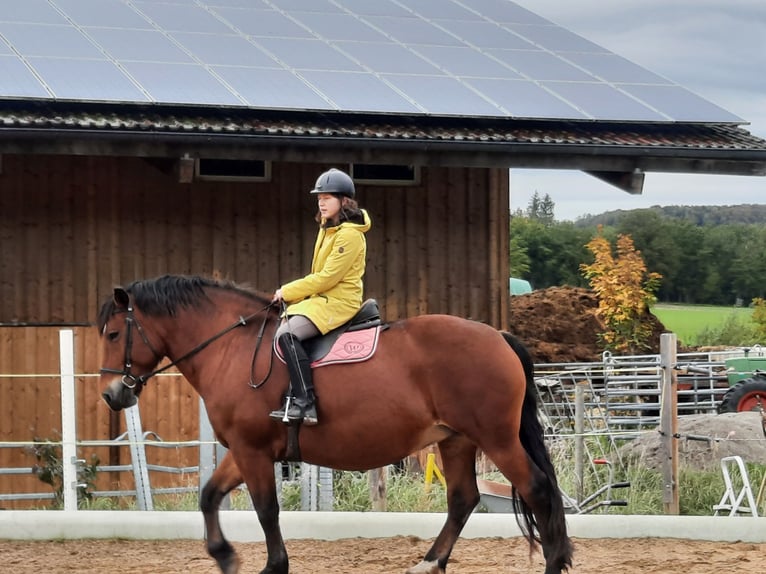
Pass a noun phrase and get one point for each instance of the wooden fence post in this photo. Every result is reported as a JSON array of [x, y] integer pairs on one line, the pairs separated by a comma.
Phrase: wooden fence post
[[377, 481], [669, 423]]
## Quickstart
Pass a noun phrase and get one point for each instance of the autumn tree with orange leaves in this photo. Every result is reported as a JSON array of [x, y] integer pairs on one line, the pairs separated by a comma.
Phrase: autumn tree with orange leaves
[[625, 290]]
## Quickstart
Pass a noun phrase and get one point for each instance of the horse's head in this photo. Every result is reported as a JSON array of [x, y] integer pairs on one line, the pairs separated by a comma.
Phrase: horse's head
[[128, 355]]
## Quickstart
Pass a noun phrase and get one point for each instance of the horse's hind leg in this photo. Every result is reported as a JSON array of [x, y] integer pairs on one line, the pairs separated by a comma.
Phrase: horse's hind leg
[[225, 478], [541, 496], [458, 460]]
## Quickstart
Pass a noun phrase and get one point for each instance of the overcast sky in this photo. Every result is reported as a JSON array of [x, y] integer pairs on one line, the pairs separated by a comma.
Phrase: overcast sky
[[715, 48]]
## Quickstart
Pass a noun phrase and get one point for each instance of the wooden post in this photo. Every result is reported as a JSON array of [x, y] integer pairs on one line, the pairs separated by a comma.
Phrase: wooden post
[[377, 481], [669, 423]]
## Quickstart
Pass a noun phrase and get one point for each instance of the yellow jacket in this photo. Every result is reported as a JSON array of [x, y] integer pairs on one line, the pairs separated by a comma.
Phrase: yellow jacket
[[332, 293]]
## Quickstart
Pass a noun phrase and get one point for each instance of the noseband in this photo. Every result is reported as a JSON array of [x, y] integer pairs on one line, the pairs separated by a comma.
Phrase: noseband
[[128, 379], [132, 381]]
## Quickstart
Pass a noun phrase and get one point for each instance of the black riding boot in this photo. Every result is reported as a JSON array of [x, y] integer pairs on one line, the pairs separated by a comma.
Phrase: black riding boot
[[300, 402]]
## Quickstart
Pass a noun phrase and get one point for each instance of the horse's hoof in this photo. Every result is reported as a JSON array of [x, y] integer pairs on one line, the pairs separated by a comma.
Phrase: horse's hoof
[[229, 564], [426, 568]]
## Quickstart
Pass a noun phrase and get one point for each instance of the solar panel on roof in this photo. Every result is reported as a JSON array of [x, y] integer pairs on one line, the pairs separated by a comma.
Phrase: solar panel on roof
[[603, 102], [102, 13], [375, 8], [347, 89], [485, 35], [451, 57], [36, 11], [387, 58], [308, 54], [92, 80], [539, 65], [504, 12], [263, 23], [463, 61], [413, 31], [271, 88], [443, 95], [17, 80], [176, 17], [678, 103], [181, 83], [225, 50], [139, 45], [554, 38], [49, 41], [525, 99], [613, 68]]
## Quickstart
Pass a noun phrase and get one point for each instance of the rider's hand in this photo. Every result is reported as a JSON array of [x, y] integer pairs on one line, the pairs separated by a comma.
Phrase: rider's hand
[[277, 296]]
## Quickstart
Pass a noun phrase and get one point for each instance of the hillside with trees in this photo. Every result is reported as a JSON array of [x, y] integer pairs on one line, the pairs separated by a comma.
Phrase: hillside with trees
[[746, 214], [721, 261]]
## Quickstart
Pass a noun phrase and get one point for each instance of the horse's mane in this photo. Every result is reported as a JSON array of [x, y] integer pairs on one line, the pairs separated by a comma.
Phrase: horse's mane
[[163, 296]]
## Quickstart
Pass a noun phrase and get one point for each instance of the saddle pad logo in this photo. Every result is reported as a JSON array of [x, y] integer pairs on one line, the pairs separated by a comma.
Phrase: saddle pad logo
[[353, 347]]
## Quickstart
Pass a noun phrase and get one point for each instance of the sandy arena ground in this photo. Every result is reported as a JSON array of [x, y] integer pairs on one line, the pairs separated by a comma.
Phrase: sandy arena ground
[[388, 555]]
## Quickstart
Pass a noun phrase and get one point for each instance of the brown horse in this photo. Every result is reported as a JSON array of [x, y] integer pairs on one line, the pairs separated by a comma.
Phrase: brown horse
[[434, 379]]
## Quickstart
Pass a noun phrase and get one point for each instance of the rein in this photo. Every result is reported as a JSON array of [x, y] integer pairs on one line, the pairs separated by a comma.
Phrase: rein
[[131, 381]]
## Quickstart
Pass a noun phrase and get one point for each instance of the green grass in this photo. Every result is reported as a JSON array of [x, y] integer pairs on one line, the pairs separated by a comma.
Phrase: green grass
[[690, 322]]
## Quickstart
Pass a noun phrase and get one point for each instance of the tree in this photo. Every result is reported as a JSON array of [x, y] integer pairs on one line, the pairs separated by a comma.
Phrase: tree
[[625, 290], [548, 255], [519, 264], [541, 209], [759, 317]]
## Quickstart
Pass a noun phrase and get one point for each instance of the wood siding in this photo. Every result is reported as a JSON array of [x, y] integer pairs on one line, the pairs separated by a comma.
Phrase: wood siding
[[71, 228]]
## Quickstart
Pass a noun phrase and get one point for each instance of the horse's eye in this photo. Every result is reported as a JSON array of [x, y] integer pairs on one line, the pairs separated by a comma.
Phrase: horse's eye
[[113, 335]]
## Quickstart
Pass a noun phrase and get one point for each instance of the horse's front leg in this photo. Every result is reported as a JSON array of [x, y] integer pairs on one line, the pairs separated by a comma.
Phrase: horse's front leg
[[225, 478], [258, 471]]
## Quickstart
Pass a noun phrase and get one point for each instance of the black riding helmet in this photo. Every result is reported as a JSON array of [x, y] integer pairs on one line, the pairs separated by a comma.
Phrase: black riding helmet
[[336, 182]]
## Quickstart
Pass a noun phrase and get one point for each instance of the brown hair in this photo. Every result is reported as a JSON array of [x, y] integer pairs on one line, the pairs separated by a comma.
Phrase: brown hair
[[349, 211]]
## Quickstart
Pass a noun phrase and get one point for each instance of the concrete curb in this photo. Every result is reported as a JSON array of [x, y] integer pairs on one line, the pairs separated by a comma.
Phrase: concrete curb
[[242, 526]]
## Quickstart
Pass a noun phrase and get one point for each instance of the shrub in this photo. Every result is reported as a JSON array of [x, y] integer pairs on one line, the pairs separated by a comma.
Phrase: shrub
[[50, 470]]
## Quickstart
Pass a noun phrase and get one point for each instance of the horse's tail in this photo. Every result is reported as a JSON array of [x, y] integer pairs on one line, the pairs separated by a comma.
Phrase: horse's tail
[[532, 439]]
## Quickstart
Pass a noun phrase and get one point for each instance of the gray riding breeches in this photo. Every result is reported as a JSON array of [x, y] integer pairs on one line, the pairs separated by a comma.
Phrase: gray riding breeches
[[299, 325]]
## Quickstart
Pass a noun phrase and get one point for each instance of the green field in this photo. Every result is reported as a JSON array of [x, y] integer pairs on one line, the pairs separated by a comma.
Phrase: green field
[[687, 321]]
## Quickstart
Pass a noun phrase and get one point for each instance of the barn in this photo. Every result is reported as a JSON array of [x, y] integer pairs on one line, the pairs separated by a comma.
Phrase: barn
[[143, 138]]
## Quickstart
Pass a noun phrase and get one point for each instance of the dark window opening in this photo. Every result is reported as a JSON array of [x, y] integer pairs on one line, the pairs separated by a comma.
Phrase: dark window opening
[[223, 169], [382, 174]]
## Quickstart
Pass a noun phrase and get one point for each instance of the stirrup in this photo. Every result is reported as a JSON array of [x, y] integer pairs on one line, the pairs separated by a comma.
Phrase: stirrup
[[307, 414]]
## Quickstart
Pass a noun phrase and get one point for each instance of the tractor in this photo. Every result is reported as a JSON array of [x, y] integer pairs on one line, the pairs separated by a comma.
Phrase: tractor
[[747, 385]]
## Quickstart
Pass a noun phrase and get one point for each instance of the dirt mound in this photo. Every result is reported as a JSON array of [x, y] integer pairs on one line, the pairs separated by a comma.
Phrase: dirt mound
[[559, 325], [729, 434]]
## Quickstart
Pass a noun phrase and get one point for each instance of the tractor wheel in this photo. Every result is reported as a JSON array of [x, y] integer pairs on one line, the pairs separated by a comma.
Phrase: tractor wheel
[[747, 395]]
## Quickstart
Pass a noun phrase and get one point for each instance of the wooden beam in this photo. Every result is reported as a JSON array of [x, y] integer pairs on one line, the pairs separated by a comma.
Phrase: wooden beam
[[590, 158], [185, 169], [630, 181]]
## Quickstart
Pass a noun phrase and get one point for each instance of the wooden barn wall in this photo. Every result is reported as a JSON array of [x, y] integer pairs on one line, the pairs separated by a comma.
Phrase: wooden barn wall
[[74, 227], [71, 228]]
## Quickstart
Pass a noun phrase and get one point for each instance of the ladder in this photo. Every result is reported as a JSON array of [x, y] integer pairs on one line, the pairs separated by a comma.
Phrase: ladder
[[731, 501]]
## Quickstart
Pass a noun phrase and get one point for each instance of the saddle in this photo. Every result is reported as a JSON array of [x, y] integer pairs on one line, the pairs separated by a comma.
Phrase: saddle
[[353, 341]]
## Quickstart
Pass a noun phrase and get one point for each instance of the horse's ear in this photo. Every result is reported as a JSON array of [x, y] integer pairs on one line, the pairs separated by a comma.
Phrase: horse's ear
[[121, 298]]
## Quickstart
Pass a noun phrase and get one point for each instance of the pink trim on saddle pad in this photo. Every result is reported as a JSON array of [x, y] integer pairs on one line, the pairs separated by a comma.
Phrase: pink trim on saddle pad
[[353, 347]]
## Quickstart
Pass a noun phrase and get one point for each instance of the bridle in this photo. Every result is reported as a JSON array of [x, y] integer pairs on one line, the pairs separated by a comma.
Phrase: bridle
[[132, 381]]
